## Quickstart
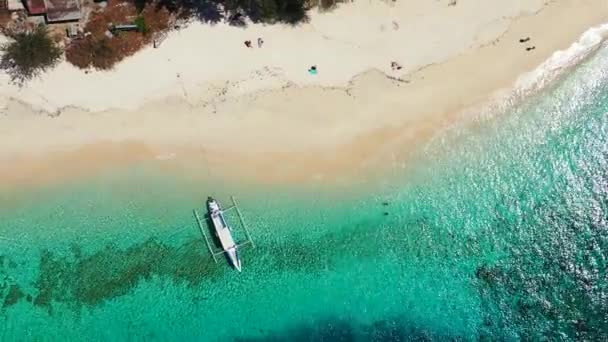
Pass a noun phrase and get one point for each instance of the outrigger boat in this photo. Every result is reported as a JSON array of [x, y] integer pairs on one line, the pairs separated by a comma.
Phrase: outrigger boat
[[223, 232]]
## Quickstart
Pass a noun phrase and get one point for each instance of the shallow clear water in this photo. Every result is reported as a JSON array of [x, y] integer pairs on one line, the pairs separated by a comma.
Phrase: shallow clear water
[[498, 232]]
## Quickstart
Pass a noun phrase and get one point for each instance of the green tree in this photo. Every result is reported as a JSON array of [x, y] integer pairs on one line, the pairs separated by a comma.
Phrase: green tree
[[292, 11], [286, 11], [141, 25], [268, 10], [28, 54], [326, 5], [140, 5]]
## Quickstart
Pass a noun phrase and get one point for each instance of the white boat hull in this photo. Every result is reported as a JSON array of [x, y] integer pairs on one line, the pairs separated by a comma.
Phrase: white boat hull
[[233, 255], [224, 233]]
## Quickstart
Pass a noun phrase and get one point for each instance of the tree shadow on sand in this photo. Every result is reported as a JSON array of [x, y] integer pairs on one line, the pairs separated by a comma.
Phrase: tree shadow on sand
[[237, 12]]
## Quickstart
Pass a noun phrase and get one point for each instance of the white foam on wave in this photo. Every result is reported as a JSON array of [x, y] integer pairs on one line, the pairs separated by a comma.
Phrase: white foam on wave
[[562, 60], [529, 83]]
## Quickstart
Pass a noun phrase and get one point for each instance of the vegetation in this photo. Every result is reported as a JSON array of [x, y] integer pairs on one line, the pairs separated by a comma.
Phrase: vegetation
[[268, 11], [28, 54], [326, 5], [142, 27], [288, 11], [99, 53], [101, 50], [5, 18]]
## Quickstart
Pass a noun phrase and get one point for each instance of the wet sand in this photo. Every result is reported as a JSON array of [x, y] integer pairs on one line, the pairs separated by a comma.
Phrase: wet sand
[[300, 132]]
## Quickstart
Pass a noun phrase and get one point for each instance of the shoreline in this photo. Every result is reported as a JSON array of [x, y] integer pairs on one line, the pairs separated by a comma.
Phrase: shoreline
[[344, 42], [300, 132]]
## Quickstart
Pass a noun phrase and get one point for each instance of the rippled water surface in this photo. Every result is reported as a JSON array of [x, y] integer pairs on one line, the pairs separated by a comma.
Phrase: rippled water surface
[[498, 233]]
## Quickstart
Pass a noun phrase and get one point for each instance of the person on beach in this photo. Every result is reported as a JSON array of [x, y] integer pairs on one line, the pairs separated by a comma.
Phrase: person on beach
[[248, 43], [312, 70], [530, 48], [260, 42], [395, 66]]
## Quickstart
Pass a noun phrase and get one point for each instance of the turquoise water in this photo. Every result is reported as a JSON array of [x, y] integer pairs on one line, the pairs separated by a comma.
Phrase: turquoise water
[[498, 232]]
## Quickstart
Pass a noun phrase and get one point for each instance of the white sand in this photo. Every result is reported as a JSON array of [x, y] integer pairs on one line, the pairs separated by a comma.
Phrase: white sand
[[343, 43], [262, 104]]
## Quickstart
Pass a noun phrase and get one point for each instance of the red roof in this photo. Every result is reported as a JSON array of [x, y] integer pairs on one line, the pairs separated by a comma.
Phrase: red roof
[[36, 6]]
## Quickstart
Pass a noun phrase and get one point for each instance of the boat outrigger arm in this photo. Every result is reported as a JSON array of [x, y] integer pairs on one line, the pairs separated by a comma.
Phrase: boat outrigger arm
[[223, 231]]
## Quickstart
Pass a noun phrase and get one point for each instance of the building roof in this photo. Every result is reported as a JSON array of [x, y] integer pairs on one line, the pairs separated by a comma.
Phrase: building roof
[[36, 6], [62, 10], [15, 5]]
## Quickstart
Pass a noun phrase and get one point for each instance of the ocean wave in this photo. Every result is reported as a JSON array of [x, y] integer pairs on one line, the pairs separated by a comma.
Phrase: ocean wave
[[562, 61], [583, 80], [531, 83]]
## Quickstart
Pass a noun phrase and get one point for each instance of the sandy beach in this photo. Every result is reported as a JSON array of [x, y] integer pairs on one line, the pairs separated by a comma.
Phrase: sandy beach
[[203, 97]]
